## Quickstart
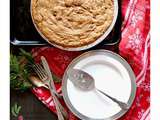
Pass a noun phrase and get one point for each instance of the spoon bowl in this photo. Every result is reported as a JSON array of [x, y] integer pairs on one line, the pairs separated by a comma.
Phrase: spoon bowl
[[82, 80], [85, 82]]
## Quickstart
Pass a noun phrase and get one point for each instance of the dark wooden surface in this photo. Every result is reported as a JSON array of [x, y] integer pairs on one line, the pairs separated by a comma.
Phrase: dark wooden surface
[[32, 108]]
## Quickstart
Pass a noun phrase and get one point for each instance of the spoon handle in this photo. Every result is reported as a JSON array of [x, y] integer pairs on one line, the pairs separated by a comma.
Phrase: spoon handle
[[123, 105]]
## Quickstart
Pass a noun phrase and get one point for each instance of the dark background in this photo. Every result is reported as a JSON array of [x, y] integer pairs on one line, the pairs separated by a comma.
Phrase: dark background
[[32, 108]]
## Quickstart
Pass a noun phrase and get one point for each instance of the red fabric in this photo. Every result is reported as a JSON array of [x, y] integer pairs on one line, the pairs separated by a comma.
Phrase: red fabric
[[134, 47]]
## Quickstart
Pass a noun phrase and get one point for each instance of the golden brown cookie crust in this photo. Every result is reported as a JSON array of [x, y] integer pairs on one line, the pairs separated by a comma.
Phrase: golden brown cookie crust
[[72, 23]]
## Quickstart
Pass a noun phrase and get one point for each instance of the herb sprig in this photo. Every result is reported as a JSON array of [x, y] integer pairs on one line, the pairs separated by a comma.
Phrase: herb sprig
[[20, 70], [15, 110]]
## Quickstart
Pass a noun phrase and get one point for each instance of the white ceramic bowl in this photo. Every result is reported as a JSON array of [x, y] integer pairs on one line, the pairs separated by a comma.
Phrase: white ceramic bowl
[[100, 39]]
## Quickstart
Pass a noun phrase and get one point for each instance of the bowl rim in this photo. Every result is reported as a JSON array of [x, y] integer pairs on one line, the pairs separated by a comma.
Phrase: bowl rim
[[85, 47]]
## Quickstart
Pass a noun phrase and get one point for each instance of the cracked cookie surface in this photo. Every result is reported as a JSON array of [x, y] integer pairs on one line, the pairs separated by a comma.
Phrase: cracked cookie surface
[[72, 23]]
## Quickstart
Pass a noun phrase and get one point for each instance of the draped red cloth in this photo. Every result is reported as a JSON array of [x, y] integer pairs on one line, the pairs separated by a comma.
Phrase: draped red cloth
[[134, 47]]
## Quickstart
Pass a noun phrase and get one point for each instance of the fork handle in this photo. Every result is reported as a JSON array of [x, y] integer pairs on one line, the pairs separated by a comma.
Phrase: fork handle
[[59, 113], [64, 112]]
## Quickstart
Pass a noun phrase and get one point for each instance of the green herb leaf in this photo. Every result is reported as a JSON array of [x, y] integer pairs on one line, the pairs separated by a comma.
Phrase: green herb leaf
[[15, 106], [13, 112], [18, 109], [27, 55], [20, 71], [56, 79], [14, 65], [15, 109]]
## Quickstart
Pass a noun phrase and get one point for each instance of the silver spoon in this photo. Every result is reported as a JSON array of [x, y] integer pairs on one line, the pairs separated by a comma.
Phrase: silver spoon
[[86, 82]]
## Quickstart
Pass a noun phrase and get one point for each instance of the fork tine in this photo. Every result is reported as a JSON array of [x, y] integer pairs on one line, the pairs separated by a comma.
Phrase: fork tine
[[42, 71], [36, 69]]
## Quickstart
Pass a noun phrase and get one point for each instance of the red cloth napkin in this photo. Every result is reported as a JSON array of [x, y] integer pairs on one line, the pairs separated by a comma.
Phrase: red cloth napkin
[[134, 47]]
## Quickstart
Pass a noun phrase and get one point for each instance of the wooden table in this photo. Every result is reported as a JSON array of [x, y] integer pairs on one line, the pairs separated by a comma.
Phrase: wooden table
[[32, 108]]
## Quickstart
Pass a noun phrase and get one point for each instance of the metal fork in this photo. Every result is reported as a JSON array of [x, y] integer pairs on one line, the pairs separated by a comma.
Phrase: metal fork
[[43, 76], [40, 71]]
